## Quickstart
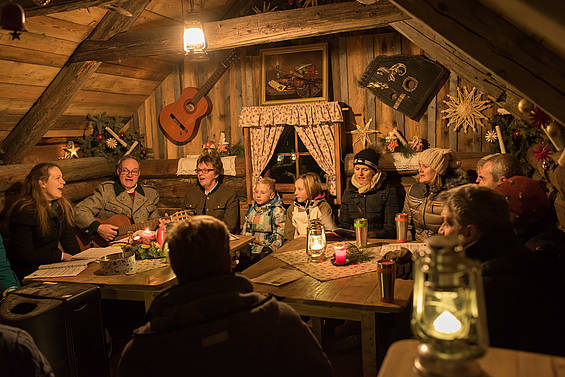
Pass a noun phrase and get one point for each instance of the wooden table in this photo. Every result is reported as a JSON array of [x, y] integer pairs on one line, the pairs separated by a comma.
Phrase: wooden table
[[142, 286], [354, 298], [498, 362]]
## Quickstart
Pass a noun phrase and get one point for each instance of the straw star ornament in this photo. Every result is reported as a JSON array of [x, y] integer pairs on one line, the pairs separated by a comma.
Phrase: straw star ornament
[[465, 111], [363, 132]]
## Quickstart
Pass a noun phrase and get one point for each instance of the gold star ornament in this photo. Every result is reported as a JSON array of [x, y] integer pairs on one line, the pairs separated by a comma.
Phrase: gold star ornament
[[71, 151], [363, 132], [465, 111]]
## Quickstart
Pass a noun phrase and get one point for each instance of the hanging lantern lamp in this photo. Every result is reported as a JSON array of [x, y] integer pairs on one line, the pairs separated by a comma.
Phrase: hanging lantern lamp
[[13, 18]]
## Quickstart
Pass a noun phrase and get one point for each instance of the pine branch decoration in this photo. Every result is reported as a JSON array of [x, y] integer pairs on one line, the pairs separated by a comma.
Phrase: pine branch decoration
[[95, 142]]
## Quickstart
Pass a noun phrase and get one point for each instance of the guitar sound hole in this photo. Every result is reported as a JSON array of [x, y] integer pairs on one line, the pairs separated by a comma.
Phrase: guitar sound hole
[[189, 107]]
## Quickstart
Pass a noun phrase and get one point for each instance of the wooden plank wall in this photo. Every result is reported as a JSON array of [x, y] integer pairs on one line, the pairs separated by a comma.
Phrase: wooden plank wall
[[349, 56]]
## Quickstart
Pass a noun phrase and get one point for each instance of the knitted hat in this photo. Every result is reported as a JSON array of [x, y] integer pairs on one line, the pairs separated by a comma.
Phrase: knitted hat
[[527, 201], [368, 157], [438, 159]]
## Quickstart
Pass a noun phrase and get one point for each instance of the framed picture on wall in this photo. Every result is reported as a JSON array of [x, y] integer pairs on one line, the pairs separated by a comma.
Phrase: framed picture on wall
[[294, 74]]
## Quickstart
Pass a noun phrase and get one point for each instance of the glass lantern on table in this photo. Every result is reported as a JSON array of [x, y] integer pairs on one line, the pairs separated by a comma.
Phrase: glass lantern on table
[[449, 312], [316, 241]]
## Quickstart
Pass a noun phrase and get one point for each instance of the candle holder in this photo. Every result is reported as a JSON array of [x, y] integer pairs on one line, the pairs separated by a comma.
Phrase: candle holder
[[316, 241], [340, 255], [449, 312]]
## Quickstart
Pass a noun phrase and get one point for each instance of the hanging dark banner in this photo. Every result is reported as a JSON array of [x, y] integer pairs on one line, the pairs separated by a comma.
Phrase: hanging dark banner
[[407, 83]]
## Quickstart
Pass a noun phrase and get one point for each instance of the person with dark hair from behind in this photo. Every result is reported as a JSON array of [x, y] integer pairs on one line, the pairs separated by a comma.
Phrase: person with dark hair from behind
[[213, 324], [524, 296], [370, 195], [39, 221], [19, 355], [210, 196], [532, 217], [496, 168]]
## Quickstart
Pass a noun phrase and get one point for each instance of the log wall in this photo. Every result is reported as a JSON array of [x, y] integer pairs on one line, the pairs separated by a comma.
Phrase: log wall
[[349, 56]]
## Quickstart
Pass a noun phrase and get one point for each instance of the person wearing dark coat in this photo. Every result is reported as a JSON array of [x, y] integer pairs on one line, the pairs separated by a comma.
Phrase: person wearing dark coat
[[19, 355], [213, 324], [523, 293], [40, 221], [210, 196], [369, 195]]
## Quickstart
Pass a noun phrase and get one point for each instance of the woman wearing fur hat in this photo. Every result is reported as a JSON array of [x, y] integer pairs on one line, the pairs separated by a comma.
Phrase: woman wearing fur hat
[[370, 195], [437, 173]]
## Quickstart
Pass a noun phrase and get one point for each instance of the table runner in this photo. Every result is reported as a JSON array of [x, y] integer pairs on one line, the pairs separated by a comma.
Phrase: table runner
[[325, 271]]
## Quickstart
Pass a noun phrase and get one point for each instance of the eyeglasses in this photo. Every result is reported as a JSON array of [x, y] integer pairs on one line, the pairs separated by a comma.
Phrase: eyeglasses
[[205, 171], [128, 172]]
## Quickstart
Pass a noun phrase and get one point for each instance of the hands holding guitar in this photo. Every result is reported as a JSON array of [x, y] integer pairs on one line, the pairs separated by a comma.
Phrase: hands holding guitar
[[107, 231]]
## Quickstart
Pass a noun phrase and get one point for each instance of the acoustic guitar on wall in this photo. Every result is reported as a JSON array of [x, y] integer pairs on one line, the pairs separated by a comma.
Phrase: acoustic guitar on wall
[[125, 227], [180, 120]]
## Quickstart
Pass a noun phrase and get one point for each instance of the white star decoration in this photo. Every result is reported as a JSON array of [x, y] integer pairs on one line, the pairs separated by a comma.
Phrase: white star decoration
[[363, 133], [490, 136], [465, 111]]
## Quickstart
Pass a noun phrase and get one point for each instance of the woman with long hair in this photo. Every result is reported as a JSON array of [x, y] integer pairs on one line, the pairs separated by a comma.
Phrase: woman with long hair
[[39, 221]]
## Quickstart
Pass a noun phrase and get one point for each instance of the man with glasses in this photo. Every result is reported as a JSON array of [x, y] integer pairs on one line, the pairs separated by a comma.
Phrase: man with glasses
[[209, 196], [124, 197]]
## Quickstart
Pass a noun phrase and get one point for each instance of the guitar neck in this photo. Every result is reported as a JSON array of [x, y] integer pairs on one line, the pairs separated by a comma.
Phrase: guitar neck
[[213, 79], [134, 227]]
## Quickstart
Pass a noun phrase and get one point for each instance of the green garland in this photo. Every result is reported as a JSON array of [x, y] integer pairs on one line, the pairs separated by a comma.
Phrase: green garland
[[95, 143], [518, 137]]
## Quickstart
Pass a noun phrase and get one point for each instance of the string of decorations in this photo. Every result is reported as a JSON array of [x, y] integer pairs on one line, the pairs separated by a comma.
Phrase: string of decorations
[[110, 137]]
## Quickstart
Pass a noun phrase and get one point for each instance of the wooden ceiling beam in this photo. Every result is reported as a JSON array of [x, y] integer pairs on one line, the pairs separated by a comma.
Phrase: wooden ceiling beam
[[56, 6], [441, 50], [508, 53], [58, 95], [543, 18], [246, 31]]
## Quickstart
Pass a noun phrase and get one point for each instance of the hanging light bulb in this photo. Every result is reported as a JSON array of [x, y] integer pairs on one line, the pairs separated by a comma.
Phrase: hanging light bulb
[[13, 18], [194, 41]]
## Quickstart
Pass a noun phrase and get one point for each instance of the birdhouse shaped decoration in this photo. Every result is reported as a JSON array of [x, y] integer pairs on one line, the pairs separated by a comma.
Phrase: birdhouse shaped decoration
[[406, 83]]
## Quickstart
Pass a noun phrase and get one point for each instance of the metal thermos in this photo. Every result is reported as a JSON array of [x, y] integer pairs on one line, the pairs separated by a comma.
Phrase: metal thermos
[[386, 274], [401, 220], [361, 231]]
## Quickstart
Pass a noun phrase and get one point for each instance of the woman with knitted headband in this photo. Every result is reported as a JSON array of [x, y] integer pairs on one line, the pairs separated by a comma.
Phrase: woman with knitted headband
[[438, 172], [370, 195]]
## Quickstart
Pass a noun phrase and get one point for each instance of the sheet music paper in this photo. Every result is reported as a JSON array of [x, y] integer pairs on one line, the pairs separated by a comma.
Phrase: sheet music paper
[[97, 252], [59, 269]]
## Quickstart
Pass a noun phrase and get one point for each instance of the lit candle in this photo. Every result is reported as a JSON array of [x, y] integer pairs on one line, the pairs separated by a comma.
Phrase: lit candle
[[340, 254], [147, 234]]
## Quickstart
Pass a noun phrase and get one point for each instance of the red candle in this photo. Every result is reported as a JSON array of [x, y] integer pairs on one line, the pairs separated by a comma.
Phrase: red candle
[[340, 254], [160, 236]]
